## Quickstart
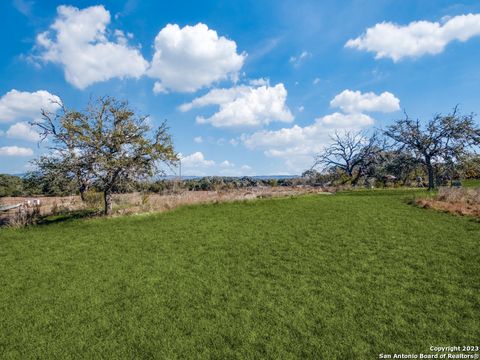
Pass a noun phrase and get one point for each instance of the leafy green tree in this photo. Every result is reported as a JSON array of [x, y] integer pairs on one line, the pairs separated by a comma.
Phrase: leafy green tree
[[10, 185], [469, 166], [108, 144], [51, 177], [66, 160]]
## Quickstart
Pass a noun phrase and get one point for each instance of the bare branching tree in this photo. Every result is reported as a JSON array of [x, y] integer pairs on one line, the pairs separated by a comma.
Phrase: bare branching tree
[[442, 139], [352, 153]]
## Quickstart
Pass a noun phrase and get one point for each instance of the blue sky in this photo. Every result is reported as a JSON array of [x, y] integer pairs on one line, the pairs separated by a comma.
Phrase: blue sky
[[247, 87]]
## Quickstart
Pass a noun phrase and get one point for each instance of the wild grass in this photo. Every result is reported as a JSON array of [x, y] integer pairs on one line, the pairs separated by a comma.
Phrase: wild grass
[[347, 276], [461, 201], [135, 203]]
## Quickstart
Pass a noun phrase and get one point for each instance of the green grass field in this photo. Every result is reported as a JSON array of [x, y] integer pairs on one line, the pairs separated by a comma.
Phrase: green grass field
[[471, 183], [347, 276]]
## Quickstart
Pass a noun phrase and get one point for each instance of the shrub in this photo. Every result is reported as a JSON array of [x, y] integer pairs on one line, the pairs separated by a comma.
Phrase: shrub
[[94, 200], [25, 215]]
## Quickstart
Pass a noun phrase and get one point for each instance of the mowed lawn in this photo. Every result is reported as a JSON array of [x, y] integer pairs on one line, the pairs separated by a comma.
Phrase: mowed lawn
[[346, 276]]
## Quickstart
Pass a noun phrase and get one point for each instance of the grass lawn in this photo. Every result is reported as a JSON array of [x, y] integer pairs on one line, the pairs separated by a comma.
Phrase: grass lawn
[[347, 276], [471, 183]]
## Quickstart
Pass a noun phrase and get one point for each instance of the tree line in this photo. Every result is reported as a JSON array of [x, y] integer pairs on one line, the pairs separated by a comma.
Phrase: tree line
[[444, 149], [109, 148], [41, 183]]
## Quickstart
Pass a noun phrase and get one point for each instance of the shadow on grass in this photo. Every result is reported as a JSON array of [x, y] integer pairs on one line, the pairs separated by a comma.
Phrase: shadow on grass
[[67, 216]]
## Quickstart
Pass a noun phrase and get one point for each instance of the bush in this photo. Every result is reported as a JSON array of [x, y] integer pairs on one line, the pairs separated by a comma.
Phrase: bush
[[25, 215], [10, 185], [459, 195], [94, 200]]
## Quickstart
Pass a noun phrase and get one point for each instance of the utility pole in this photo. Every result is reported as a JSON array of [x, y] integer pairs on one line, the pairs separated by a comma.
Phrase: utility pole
[[180, 172]]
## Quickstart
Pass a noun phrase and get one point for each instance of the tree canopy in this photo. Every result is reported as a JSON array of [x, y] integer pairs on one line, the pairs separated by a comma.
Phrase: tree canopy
[[108, 143], [444, 138]]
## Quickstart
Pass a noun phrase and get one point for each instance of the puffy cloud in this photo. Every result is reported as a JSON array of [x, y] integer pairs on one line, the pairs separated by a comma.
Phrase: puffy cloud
[[196, 160], [197, 164], [345, 121], [21, 105], [389, 40], [244, 106], [297, 144], [355, 102], [189, 58], [198, 139], [230, 169], [304, 140], [226, 164], [260, 82], [216, 97], [22, 131], [311, 138], [78, 41], [15, 151]]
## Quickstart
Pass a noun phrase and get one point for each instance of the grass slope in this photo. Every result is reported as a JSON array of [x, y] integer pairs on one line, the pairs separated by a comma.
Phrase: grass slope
[[347, 276]]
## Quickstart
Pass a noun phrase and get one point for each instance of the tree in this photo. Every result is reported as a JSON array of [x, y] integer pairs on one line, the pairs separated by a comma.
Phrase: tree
[[10, 185], [109, 145], [469, 166], [50, 177], [400, 164], [442, 139], [66, 159], [352, 153]]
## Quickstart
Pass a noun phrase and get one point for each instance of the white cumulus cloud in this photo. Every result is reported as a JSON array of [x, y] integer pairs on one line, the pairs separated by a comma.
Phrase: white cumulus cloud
[[15, 151], [355, 102], [196, 160], [304, 140], [78, 41], [244, 106], [22, 131], [21, 105], [190, 58], [196, 164], [226, 164], [297, 145], [389, 40]]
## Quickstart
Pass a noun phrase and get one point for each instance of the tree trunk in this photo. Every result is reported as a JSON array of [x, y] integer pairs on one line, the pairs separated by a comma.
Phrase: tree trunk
[[107, 196], [357, 178], [431, 177], [82, 190]]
